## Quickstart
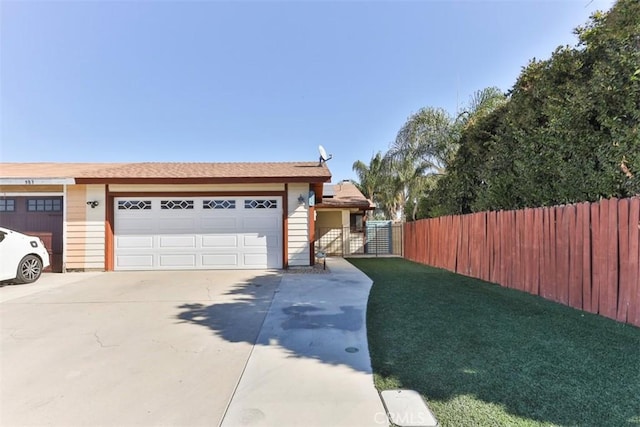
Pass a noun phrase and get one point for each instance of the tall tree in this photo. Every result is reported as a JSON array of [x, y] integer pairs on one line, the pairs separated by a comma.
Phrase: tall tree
[[481, 103], [377, 184], [369, 176], [422, 149], [456, 193], [427, 146], [569, 132]]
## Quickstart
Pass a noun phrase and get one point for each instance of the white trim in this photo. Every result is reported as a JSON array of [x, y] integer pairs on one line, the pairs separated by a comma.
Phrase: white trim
[[36, 194], [36, 181]]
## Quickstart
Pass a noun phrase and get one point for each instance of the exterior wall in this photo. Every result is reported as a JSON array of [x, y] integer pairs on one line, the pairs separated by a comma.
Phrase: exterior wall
[[329, 234], [85, 231], [85, 226], [120, 188], [298, 246], [329, 219]]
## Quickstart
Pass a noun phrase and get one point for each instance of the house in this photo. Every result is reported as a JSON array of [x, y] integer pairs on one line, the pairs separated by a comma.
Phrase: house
[[342, 205], [341, 219], [155, 216]]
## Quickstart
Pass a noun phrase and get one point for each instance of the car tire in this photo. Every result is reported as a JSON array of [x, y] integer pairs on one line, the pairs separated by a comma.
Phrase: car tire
[[29, 269]]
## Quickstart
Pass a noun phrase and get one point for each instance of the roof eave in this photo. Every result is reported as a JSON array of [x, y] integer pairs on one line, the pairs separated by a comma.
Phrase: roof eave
[[345, 206], [206, 180]]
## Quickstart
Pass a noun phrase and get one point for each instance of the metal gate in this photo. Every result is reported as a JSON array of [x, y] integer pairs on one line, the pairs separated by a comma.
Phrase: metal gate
[[377, 238]]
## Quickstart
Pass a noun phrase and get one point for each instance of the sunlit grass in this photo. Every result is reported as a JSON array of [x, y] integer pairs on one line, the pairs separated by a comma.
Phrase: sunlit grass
[[483, 355]]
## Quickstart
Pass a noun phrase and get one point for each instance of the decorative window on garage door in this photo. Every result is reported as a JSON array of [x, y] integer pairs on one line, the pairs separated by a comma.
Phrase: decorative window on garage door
[[218, 204], [134, 205], [176, 204], [260, 204], [44, 205]]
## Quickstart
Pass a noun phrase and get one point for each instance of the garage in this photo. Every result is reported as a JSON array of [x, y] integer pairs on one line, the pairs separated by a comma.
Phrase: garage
[[167, 233], [36, 215], [170, 215]]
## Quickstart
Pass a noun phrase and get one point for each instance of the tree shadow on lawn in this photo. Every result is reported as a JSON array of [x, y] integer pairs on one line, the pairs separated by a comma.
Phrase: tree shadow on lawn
[[456, 340], [296, 321]]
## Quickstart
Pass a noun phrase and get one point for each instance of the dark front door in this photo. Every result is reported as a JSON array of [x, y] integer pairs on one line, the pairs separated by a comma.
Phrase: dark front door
[[38, 215]]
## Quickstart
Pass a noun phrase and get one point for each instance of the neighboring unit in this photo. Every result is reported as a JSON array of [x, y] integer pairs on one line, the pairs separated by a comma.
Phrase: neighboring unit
[[344, 226], [155, 216], [22, 258]]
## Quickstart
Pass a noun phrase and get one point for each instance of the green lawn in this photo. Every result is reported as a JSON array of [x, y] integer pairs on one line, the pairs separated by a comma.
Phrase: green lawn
[[483, 355]]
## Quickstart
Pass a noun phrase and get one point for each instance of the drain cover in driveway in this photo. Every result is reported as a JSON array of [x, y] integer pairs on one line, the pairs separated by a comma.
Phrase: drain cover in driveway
[[406, 408]]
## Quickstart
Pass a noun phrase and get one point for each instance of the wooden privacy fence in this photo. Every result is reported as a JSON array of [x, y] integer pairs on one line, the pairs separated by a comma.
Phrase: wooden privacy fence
[[585, 255]]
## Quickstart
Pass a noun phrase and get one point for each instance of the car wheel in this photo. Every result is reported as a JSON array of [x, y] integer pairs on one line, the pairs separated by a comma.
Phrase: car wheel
[[29, 269]]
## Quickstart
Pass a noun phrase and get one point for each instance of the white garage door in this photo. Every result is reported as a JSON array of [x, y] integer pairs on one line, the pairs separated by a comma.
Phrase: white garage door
[[166, 233]]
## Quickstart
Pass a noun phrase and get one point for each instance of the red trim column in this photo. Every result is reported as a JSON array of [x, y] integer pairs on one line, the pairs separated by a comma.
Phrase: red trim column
[[108, 231]]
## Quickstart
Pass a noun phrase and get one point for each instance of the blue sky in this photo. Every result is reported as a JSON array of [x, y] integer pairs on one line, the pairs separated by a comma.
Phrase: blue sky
[[210, 81]]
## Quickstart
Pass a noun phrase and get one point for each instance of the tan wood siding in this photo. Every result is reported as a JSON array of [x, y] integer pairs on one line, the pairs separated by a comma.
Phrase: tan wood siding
[[76, 217], [85, 228]]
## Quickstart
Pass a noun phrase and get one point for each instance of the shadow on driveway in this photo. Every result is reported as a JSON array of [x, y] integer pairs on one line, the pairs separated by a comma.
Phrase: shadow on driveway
[[316, 316]]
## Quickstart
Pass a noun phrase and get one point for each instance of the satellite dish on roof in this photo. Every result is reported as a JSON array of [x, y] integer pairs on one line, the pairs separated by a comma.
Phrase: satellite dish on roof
[[323, 155]]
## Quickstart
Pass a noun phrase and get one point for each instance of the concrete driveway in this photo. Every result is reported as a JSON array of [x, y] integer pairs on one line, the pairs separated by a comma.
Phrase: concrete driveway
[[128, 348]]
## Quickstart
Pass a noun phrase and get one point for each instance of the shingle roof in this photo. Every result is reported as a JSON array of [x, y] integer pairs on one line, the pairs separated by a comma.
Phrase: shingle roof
[[346, 195], [84, 172]]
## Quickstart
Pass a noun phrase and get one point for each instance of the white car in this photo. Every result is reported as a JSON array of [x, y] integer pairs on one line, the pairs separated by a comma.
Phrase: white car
[[22, 257]]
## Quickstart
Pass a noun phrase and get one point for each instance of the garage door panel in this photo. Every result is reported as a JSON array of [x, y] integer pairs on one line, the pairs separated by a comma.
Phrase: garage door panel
[[169, 242], [260, 260], [209, 234], [134, 226], [176, 225], [257, 223], [261, 241], [219, 260], [169, 261], [135, 242], [220, 241], [222, 224], [254, 260]]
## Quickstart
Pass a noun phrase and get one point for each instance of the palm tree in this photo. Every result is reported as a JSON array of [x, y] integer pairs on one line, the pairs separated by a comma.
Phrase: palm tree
[[428, 142], [482, 102], [369, 176], [375, 183], [421, 151], [424, 148]]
